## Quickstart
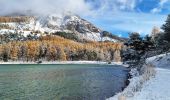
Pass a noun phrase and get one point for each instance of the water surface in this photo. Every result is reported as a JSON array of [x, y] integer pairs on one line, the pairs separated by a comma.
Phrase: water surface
[[60, 82]]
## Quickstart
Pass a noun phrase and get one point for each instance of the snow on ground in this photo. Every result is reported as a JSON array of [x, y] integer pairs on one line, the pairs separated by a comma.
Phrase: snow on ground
[[156, 88], [109, 39], [64, 62]]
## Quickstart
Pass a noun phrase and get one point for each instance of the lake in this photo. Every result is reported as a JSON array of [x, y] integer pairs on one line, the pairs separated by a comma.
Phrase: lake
[[61, 82]]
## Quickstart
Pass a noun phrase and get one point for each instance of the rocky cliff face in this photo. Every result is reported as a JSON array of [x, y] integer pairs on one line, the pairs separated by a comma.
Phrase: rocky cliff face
[[70, 23]]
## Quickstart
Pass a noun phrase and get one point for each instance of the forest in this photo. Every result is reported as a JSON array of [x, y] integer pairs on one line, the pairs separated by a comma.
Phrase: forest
[[56, 48], [15, 19]]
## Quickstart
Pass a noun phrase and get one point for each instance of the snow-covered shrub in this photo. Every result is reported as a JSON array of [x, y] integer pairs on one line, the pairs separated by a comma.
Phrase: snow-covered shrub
[[136, 83]]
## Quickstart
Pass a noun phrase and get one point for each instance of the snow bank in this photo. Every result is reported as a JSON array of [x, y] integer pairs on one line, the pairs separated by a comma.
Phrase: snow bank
[[162, 61], [136, 82], [149, 86], [156, 88], [64, 62]]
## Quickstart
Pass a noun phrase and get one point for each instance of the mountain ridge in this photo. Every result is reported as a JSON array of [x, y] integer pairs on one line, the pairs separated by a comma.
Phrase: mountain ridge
[[69, 23]]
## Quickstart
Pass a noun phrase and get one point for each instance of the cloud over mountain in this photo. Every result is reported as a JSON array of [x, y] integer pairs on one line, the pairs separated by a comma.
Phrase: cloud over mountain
[[44, 6], [82, 7], [121, 15]]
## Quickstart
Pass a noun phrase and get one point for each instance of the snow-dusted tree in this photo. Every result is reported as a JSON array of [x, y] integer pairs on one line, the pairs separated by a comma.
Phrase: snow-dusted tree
[[137, 48], [166, 28], [155, 32]]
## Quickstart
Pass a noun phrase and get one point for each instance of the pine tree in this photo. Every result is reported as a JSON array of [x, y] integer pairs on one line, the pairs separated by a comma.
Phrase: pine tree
[[166, 28], [137, 49]]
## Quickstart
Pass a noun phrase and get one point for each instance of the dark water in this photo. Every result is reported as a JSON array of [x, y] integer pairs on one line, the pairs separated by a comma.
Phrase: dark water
[[60, 82]]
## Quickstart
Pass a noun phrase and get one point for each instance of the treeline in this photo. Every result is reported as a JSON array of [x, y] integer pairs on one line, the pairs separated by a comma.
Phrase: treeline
[[140, 48], [17, 36], [15, 19], [162, 39], [66, 35], [107, 34], [5, 26], [55, 48]]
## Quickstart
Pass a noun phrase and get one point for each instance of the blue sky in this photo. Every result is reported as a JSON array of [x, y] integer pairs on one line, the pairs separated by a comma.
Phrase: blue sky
[[124, 16]]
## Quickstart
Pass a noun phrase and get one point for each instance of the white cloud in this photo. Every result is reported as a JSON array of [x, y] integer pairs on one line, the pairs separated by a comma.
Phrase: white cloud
[[131, 22], [138, 22], [118, 4], [127, 4], [156, 10], [160, 6], [80, 7], [162, 2], [44, 6]]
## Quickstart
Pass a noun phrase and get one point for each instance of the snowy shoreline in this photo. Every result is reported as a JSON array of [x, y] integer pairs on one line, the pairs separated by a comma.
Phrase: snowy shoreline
[[148, 85], [64, 62], [136, 82]]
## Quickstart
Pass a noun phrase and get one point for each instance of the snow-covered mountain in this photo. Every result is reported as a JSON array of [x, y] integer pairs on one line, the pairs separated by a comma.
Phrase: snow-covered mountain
[[68, 22]]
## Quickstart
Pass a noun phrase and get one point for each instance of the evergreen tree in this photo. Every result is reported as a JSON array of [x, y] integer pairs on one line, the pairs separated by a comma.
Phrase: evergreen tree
[[135, 41], [165, 40], [166, 28], [137, 49]]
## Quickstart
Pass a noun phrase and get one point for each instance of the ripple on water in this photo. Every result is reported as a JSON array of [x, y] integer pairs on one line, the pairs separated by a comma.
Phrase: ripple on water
[[60, 82]]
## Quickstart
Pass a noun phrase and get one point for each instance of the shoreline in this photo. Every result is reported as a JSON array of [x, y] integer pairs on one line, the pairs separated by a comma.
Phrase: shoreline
[[64, 62], [136, 82]]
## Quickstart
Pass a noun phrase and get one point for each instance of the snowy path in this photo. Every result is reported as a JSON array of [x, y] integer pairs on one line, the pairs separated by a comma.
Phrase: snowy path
[[158, 88]]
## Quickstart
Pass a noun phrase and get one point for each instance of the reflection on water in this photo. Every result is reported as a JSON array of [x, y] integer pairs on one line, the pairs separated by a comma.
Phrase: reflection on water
[[60, 82]]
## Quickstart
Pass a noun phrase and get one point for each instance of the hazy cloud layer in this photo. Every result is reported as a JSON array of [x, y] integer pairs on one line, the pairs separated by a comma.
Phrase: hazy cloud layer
[[81, 7], [44, 6]]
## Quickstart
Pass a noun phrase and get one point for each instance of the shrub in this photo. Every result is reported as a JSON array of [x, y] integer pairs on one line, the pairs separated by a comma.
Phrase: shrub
[[71, 36]]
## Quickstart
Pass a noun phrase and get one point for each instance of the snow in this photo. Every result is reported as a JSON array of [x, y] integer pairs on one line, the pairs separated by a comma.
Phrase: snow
[[93, 36], [4, 31], [57, 23], [156, 88], [64, 62], [26, 33], [162, 61], [108, 39]]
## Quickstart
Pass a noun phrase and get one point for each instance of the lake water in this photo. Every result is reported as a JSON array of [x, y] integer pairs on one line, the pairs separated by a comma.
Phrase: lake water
[[60, 82]]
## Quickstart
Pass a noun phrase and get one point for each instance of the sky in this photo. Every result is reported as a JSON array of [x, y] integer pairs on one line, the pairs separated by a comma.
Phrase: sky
[[119, 17], [122, 17]]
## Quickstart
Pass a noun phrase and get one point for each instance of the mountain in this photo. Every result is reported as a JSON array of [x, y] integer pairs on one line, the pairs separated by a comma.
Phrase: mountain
[[43, 25]]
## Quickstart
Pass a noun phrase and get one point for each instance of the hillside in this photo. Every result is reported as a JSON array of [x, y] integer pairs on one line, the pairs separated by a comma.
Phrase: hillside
[[52, 24]]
